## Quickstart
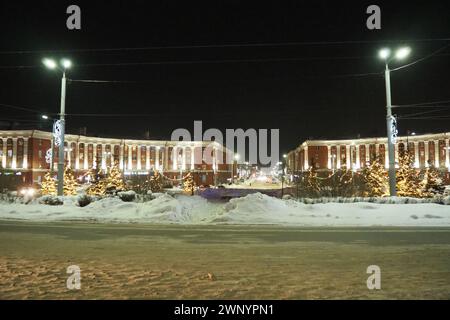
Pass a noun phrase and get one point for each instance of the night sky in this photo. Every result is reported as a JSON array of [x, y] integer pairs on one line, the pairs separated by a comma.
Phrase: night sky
[[280, 64]]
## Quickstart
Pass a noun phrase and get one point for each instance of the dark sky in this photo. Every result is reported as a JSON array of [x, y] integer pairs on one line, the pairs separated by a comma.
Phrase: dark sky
[[282, 64]]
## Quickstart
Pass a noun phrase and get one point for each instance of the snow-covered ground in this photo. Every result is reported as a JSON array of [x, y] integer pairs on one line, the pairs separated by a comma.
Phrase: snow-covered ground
[[252, 209]]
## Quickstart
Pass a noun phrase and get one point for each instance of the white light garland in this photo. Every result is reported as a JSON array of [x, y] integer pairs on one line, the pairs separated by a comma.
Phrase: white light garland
[[394, 131], [48, 156], [57, 132]]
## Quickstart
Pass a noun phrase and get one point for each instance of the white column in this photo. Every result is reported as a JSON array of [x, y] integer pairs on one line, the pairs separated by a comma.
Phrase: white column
[[329, 156], [77, 156], [175, 158], [447, 153], [112, 154], [347, 156], [367, 146], [338, 157], [166, 158], [85, 156], [14, 155], [416, 155], [94, 155], [377, 149], [4, 153], [121, 157], [139, 157], [436, 153], [183, 158], [357, 160], [130, 158], [157, 148], [426, 154], [25, 153], [103, 156], [306, 164], [147, 158]]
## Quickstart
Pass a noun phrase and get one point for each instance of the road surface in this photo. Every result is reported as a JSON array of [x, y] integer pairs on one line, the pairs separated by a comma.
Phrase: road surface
[[221, 262]]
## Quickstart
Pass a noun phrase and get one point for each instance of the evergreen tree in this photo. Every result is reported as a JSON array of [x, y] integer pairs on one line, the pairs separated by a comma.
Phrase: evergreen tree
[[156, 183], [189, 184], [48, 186], [310, 183], [70, 183], [376, 179], [433, 182], [408, 182], [110, 183], [114, 180]]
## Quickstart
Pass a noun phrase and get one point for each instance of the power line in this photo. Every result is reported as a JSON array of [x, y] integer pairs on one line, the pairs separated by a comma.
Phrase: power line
[[422, 59], [20, 108], [251, 60], [231, 45], [418, 113], [420, 105]]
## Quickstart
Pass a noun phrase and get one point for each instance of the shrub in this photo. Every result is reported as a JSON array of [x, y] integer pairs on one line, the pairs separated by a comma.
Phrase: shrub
[[84, 200], [51, 200], [127, 196]]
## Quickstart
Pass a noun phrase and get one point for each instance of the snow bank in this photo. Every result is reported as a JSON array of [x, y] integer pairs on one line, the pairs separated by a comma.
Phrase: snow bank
[[254, 208]]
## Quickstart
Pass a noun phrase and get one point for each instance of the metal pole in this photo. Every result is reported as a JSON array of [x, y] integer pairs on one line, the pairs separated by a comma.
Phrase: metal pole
[[52, 141], [282, 180], [61, 146], [391, 150]]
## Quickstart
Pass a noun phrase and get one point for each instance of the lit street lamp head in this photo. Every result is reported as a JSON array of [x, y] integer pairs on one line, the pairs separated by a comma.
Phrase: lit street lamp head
[[402, 53], [66, 63], [44, 116], [384, 53], [49, 63]]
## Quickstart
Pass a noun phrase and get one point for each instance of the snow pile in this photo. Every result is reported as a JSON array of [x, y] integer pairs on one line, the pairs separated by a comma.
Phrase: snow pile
[[262, 209], [254, 208]]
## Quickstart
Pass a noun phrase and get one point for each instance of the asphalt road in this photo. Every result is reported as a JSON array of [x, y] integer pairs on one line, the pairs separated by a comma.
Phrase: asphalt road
[[229, 262]]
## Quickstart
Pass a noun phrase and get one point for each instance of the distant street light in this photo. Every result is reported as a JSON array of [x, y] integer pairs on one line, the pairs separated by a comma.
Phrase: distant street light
[[65, 64], [49, 63], [385, 54], [44, 116]]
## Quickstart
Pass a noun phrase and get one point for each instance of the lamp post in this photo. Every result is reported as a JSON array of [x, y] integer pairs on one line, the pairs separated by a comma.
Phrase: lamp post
[[385, 54], [235, 166], [282, 174], [64, 65]]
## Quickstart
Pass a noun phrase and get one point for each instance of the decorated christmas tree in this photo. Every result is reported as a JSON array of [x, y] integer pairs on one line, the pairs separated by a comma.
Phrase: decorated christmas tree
[[408, 182], [110, 183], [70, 183], [96, 183], [156, 183], [189, 184], [48, 186], [311, 183], [433, 182], [375, 179], [114, 180]]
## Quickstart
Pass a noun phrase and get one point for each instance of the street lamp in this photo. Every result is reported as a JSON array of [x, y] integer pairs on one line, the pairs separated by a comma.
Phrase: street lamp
[[63, 66], [387, 56], [235, 166]]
